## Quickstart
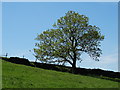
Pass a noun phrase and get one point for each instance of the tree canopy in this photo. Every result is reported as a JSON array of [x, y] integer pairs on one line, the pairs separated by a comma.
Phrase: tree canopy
[[70, 37]]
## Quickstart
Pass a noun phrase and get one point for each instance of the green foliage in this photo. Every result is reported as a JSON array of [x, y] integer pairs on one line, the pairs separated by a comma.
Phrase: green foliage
[[72, 35], [20, 76]]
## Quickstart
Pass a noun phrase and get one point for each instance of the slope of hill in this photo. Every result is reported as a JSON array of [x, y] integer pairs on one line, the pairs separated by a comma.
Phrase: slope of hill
[[21, 76]]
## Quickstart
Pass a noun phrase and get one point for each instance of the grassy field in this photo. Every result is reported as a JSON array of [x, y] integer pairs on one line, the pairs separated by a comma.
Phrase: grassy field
[[20, 76]]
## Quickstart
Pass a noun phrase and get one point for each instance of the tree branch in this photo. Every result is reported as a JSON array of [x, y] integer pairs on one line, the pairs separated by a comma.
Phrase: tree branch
[[65, 59], [70, 55]]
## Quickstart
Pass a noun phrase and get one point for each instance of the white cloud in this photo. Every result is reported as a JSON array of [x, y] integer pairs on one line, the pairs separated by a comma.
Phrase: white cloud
[[107, 62], [110, 62], [110, 59]]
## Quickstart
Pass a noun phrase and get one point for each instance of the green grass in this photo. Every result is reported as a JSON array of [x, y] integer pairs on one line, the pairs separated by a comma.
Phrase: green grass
[[20, 76]]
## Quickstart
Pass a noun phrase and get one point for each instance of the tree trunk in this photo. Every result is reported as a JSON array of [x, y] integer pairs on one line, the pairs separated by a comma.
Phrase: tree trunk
[[74, 62], [74, 66], [35, 62]]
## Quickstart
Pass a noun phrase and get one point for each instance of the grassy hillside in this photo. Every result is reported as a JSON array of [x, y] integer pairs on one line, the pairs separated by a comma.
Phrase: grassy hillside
[[20, 76]]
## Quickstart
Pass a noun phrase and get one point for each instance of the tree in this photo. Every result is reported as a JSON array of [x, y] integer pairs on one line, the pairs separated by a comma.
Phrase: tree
[[72, 35]]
